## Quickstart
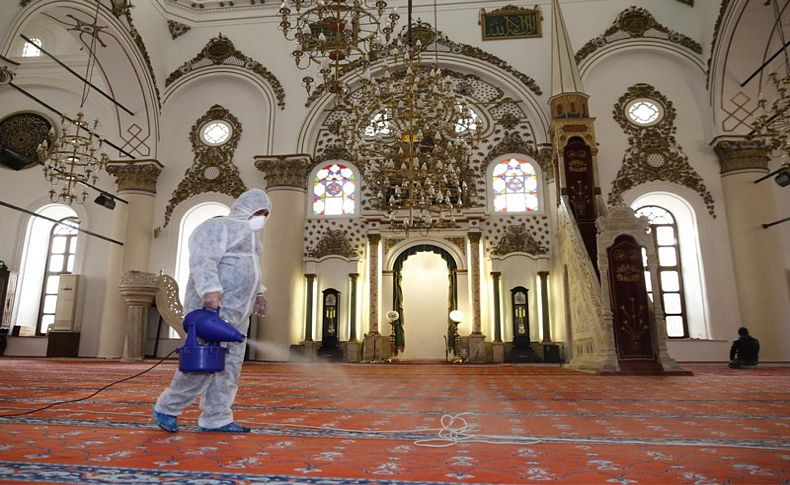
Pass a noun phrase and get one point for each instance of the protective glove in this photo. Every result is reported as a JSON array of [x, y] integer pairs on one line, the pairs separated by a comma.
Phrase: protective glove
[[212, 300], [260, 305]]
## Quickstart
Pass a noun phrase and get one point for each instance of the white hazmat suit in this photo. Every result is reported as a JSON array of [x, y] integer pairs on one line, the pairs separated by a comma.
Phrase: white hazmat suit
[[223, 258]]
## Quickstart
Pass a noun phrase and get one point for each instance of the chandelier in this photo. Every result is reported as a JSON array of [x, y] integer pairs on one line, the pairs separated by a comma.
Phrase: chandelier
[[414, 133], [73, 157], [773, 124], [329, 35]]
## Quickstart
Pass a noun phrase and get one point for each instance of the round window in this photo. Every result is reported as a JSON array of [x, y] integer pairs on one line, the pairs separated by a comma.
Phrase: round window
[[644, 112], [216, 132]]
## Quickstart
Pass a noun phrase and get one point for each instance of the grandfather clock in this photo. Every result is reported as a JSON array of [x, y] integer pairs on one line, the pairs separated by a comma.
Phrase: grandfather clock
[[521, 350], [330, 347]]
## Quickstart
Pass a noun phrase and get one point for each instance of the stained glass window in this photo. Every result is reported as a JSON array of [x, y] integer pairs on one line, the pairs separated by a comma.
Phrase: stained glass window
[[670, 277], [334, 191], [515, 186]]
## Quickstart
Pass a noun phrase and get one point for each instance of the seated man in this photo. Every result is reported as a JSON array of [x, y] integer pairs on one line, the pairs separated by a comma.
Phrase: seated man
[[744, 351]]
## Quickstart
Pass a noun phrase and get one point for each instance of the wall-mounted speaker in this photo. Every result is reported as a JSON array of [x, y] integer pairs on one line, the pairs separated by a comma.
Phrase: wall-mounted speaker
[[13, 160]]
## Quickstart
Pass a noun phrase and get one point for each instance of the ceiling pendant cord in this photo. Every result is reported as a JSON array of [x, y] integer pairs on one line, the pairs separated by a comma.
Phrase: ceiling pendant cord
[[91, 57]]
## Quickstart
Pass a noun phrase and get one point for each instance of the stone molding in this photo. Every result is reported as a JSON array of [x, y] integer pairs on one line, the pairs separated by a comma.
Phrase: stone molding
[[285, 170], [140, 175]]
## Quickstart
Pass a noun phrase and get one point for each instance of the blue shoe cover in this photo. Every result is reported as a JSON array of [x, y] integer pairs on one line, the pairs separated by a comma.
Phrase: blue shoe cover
[[166, 422], [228, 428]]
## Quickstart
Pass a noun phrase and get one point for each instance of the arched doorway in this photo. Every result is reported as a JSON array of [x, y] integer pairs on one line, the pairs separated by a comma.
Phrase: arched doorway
[[425, 290]]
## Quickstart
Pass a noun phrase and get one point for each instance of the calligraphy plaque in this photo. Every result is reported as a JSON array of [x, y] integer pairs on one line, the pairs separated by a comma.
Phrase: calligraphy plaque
[[511, 22]]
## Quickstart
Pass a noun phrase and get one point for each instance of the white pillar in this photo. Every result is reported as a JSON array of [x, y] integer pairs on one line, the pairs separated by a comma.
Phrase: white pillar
[[283, 251], [133, 225], [763, 293]]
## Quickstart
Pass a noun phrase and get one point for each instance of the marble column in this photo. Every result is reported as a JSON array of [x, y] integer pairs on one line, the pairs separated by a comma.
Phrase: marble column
[[544, 305], [132, 224], [476, 339], [757, 252], [138, 289], [352, 346], [308, 318], [498, 348], [372, 342], [283, 250]]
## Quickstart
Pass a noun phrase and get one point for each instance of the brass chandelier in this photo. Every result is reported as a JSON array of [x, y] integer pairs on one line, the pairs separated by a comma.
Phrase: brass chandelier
[[773, 124], [414, 133], [329, 35], [74, 157]]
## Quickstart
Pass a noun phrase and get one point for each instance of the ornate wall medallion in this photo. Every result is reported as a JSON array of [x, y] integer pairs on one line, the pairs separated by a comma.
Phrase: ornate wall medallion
[[634, 23], [653, 153], [221, 51], [213, 169], [177, 29]]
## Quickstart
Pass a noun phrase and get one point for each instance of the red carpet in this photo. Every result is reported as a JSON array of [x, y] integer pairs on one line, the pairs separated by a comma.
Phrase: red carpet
[[361, 424]]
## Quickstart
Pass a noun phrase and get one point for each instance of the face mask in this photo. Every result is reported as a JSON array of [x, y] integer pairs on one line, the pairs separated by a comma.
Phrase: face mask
[[256, 223]]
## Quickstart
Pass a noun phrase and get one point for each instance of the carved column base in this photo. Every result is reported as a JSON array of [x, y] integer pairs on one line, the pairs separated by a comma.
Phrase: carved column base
[[477, 348], [138, 290], [374, 346], [497, 352], [351, 351], [599, 362]]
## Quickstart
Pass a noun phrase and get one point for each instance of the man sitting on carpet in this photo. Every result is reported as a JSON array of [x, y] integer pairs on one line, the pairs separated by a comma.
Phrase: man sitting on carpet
[[744, 351]]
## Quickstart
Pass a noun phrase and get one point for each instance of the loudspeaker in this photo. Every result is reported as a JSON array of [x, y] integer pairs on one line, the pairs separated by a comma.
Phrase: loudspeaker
[[783, 178], [13, 160]]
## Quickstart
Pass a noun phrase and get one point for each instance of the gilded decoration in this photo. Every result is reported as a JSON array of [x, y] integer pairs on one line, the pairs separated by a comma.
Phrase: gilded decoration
[[334, 236], [434, 40], [633, 23], [139, 279], [333, 242], [496, 229], [716, 31], [391, 242], [487, 100], [512, 142], [510, 22], [213, 169], [221, 51], [135, 176], [743, 155], [285, 171], [177, 29], [22, 133], [517, 239], [653, 152], [458, 242]]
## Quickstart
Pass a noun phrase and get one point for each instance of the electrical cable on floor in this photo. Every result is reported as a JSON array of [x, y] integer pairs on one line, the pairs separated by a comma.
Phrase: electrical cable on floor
[[88, 397]]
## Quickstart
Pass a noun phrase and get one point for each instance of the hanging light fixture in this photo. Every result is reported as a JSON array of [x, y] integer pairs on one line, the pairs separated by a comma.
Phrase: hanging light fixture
[[329, 35], [773, 124], [414, 132], [74, 156]]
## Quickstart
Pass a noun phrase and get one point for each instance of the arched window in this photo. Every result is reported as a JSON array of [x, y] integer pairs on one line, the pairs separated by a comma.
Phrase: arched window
[[664, 229], [31, 49], [334, 190], [60, 261], [192, 218], [515, 186], [49, 250]]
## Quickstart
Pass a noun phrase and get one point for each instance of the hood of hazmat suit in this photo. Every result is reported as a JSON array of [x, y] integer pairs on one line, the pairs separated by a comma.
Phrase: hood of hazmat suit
[[223, 257]]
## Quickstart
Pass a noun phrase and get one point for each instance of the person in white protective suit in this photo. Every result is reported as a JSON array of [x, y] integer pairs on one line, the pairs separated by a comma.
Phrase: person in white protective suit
[[224, 272]]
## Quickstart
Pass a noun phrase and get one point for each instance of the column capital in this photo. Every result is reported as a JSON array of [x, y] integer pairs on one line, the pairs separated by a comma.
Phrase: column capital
[[285, 170], [374, 238], [543, 274], [474, 236], [136, 176], [741, 154]]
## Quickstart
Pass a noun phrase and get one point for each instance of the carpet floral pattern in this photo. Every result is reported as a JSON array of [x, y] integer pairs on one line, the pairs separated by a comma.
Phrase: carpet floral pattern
[[380, 424]]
